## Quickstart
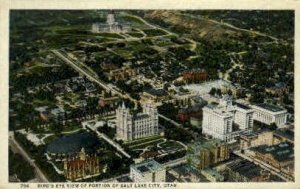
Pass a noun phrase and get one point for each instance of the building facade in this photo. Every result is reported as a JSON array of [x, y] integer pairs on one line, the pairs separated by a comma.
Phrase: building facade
[[148, 171], [121, 74], [279, 156], [195, 76], [212, 175], [184, 114], [203, 155], [246, 171], [268, 113], [227, 120], [111, 25], [249, 140], [154, 95], [131, 127], [81, 166]]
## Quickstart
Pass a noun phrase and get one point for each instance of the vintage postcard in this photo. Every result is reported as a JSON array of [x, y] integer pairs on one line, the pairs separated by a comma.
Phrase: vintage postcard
[[161, 94]]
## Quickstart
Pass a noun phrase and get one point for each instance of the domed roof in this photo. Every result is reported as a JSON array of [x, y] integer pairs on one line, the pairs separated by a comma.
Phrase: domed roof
[[73, 143]]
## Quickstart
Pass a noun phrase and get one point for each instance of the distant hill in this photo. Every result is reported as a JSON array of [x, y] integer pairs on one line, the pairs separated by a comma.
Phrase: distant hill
[[196, 26]]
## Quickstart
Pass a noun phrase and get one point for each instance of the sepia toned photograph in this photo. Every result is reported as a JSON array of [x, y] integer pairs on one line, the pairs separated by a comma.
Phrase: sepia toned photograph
[[151, 96]]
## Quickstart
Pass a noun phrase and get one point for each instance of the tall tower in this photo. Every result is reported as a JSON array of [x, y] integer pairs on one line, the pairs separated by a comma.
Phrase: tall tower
[[110, 20], [151, 110], [82, 154], [124, 123]]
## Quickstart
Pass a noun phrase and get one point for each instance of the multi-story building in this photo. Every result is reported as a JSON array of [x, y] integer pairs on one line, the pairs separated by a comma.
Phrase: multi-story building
[[203, 155], [226, 120], [81, 166], [121, 74], [280, 156], [184, 114], [133, 126], [109, 101], [268, 113], [246, 171], [284, 135], [148, 171], [154, 95], [249, 140], [195, 76], [212, 175], [111, 25]]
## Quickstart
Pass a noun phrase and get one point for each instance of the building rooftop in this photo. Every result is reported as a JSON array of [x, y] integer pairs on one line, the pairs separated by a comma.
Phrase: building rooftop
[[281, 152], [141, 116], [254, 134], [195, 108], [157, 92], [147, 166], [213, 173], [270, 107], [245, 168], [239, 105], [73, 143], [57, 111], [285, 133], [197, 146]]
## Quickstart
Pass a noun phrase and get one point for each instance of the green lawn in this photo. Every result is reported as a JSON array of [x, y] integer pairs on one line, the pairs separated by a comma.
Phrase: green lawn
[[124, 53], [171, 144], [143, 140], [50, 138], [110, 35], [144, 145], [154, 32], [135, 34]]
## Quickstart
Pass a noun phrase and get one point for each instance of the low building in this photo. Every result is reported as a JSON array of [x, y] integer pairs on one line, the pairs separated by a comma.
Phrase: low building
[[185, 114], [81, 166], [268, 114], [203, 155], [248, 140], [154, 95], [280, 156], [58, 114], [148, 155], [121, 74], [279, 88], [246, 171], [181, 98], [283, 135], [195, 76], [109, 101], [185, 173], [212, 175], [148, 171]]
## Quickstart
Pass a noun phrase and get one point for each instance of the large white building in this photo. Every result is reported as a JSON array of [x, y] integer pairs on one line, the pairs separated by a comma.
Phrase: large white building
[[226, 120], [133, 126], [111, 25], [267, 113], [148, 171]]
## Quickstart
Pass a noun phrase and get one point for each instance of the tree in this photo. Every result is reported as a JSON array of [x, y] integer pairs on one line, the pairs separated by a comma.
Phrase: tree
[[212, 91], [219, 92], [56, 128], [229, 92], [273, 126]]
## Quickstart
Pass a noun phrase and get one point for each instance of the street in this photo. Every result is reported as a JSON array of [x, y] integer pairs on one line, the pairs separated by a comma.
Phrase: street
[[17, 148]]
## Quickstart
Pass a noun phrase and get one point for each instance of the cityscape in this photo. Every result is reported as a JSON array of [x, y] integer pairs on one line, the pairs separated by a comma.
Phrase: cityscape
[[138, 96]]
